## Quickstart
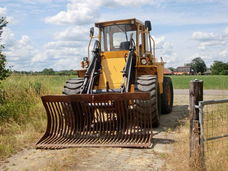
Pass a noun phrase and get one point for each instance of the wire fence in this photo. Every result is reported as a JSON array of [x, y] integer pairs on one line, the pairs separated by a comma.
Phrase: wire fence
[[208, 130], [213, 119]]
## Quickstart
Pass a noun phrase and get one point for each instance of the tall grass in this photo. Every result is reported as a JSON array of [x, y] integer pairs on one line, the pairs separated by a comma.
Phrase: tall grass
[[210, 81], [22, 116]]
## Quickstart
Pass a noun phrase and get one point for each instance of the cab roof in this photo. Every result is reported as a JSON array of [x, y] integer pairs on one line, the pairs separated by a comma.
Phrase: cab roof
[[125, 21]]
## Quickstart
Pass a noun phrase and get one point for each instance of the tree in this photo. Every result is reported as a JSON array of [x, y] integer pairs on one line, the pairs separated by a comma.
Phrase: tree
[[171, 69], [48, 71], [3, 71], [219, 67], [198, 65]]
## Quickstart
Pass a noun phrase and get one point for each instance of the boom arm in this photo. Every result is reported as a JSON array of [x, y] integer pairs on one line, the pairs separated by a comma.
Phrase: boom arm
[[92, 72]]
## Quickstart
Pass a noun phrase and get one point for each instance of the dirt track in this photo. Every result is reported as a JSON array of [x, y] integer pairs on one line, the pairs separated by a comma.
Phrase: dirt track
[[108, 158]]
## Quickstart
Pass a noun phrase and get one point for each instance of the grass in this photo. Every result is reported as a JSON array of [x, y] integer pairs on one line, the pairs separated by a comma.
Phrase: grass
[[22, 115], [210, 81]]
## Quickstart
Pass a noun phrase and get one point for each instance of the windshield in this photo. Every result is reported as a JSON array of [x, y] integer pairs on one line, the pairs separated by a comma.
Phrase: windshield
[[117, 37]]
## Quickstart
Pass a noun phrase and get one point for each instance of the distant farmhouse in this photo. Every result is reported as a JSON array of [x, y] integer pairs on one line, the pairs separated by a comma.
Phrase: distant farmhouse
[[184, 70], [168, 71]]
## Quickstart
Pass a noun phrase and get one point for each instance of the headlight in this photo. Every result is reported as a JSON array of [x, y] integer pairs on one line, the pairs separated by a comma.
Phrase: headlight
[[143, 61]]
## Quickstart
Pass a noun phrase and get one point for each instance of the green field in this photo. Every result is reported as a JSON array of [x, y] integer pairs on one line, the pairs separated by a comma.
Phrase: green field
[[210, 81]]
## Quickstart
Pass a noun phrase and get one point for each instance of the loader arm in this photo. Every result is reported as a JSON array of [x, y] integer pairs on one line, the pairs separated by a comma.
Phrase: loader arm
[[128, 69], [92, 73]]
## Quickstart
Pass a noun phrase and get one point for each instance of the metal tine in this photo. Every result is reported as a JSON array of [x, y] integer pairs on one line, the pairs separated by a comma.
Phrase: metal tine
[[104, 122], [123, 113], [70, 125], [90, 119], [60, 118], [148, 121], [52, 132], [128, 134], [95, 121], [139, 123], [127, 124], [106, 127], [124, 118], [85, 109], [135, 125], [86, 118], [114, 124], [119, 121], [144, 113], [58, 142], [110, 122], [56, 122], [49, 125], [83, 128], [78, 110], [48, 129], [59, 139], [66, 129], [151, 123], [73, 124]]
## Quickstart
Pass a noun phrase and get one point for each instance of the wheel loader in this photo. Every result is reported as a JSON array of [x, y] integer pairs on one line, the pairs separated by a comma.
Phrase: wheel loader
[[118, 96]]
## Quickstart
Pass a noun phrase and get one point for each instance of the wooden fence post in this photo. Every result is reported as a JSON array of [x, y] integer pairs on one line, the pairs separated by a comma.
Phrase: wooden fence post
[[195, 95]]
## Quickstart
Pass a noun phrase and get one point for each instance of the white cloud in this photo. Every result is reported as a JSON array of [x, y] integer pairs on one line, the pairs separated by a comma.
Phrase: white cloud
[[224, 53], [78, 12], [73, 34], [203, 36], [211, 39], [226, 31], [18, 52], [2, 12], [165, 50], [82, 12]]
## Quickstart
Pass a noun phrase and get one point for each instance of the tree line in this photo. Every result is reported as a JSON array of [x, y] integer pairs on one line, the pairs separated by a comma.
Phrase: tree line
[[199, 67], [47, 71]]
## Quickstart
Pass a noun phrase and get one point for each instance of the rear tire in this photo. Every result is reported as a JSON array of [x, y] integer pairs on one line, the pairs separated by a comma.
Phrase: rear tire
[[167, 96], [148, 83]]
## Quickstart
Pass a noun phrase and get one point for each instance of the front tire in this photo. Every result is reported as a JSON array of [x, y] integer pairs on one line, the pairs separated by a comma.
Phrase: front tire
[[73, 86], [148, 83]]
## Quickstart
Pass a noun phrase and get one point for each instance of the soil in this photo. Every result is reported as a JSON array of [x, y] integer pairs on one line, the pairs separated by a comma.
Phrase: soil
[[108, 158]]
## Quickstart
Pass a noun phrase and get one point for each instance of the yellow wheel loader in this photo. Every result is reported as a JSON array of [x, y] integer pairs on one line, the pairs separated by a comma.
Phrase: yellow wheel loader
[[118, 96]]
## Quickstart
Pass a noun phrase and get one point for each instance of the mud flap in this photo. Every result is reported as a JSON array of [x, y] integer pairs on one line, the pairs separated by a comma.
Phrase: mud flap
[[97, 120]]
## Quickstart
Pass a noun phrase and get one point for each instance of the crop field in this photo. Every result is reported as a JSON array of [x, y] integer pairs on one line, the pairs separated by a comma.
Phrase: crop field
[[210, 81]]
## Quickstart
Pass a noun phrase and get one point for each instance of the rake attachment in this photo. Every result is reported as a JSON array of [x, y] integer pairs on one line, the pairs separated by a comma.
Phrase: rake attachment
[[97, 120]]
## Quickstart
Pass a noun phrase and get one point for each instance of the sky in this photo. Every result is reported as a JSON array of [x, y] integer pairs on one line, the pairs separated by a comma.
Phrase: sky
[[55, 33]]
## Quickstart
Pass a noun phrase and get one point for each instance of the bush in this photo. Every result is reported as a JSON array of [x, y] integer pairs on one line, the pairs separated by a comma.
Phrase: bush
[[224, 72]]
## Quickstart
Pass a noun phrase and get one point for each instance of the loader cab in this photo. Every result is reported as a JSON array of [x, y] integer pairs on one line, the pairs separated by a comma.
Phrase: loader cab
[[117, 37]]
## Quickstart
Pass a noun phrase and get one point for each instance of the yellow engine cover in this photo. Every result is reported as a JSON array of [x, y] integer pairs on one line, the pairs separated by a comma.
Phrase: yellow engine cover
[[112, 63]]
